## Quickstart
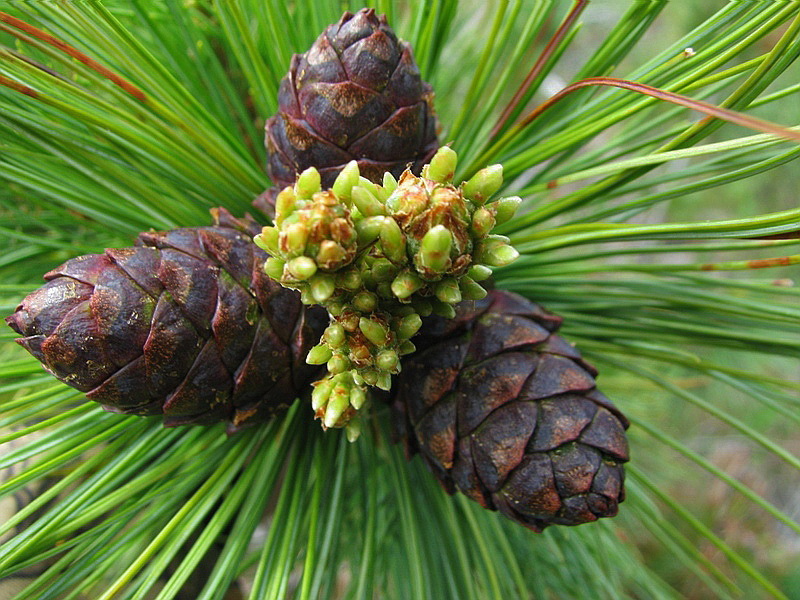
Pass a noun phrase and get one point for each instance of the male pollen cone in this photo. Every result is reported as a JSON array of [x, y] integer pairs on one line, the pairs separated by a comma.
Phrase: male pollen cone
[[506, 411], [184, 324], [356, 94]]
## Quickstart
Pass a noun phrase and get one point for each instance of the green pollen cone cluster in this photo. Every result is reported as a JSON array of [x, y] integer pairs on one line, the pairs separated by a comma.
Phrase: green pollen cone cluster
[[379, 258]]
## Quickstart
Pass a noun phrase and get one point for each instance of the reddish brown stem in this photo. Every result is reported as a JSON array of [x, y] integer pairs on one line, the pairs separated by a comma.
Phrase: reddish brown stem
[[559, 35], [789, 235], [759, 263], [18, 87], [698, 105], [74, 53]]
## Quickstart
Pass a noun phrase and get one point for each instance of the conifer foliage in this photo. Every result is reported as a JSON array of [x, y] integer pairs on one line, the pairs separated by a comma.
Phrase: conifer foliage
[[662, 240]]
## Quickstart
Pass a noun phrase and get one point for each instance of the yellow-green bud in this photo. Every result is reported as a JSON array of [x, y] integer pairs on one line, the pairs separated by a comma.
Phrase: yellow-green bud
[[503, 255], [350, 321], [479, 272], [389, 183], [338, 363], [321, 393], [370, 376], [301, 267], [285, 203], [267, 240], [331, 255], [393, 241], [442, 166], [349, 279], [482, 222], [353, 428], [334, 335], [345, 180], [434, 249], [319, 354], [483, 184], [384, 381], [505, 208], [305, 296], [403, 311], [365, 301], [495, 251], [408, 326], [338, 403], [368, 230], [308, 183], [405, 284], [372, 188], [273, 267], [322, 287], [293, 239], [388, 360], [366, 202], [443, 309], [335, 308], [471, 290], [358, 396], [383, 270], [373, 331], [448, 291], [406, 347]]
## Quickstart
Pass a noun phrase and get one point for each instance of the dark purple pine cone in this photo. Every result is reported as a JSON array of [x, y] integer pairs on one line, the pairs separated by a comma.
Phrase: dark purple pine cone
[[183, 324], [355, 95], [506, 411]]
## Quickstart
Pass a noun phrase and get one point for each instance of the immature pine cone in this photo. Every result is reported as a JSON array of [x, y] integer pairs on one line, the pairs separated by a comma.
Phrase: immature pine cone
[[184, 324], [506, 411], [356, 94]]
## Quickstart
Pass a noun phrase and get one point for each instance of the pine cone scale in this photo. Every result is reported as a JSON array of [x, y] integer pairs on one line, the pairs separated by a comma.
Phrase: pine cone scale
[[399, 136], [295, 136], [265, 367], [489, 384], [497, 443], [192, 283], [436, 432], [125, 389], [561, 422], [121, 309], [429, 377], [74, 336], [496, 333], [171, 347], [207, 384], [229, 326], [141, 265], [603, 435]]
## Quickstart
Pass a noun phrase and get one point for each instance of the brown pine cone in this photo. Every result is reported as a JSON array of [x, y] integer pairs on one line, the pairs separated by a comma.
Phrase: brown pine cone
[[506, 411], [356, 94], [183, 324]]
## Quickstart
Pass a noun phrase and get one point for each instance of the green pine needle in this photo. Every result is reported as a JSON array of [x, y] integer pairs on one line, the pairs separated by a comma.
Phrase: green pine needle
[[668, 244]]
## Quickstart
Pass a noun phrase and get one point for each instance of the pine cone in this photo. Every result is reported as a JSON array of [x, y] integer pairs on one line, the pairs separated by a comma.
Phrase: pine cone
[[183, 324], [355, 95], [506, 411]]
